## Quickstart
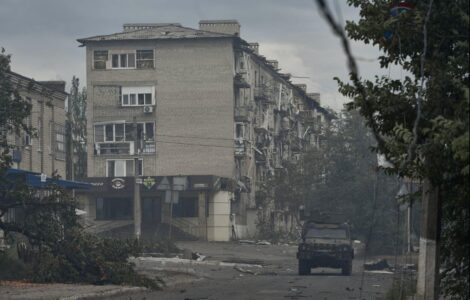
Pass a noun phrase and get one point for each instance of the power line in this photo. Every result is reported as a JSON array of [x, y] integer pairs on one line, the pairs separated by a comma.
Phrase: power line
[[194, 144], [194, 137]]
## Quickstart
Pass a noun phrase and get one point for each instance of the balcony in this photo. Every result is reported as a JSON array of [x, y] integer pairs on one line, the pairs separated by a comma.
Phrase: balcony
[[243, 113]]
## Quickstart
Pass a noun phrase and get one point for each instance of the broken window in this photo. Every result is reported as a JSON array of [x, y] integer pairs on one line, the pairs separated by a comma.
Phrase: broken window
[[145, 59], [99, 59]]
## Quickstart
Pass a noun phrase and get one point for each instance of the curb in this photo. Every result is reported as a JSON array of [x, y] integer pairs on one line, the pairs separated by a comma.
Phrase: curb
[[103, 294]]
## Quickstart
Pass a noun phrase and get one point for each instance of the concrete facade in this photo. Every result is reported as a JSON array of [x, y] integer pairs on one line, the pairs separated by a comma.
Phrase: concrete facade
[[218, 108]]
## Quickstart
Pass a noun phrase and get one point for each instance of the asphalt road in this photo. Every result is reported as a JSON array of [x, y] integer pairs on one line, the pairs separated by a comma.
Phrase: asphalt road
[[245, 271]]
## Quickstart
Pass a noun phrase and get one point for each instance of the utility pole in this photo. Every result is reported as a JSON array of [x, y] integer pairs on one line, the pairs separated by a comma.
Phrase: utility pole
[[171, 213], [428, 260], [137, 183]]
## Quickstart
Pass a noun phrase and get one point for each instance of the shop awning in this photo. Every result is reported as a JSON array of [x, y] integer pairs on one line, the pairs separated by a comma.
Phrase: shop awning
[[41, 181]]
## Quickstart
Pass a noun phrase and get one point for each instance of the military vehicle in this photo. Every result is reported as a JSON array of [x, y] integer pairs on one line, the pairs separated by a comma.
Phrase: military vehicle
[[325, 245]]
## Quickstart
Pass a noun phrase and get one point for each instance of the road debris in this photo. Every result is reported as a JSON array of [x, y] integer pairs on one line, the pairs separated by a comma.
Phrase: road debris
[[380, 264], [379, 272], [246, 271], [249, 242]]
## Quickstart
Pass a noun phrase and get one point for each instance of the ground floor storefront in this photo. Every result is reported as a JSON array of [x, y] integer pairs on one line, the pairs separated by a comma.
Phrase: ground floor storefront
[[185, 207]]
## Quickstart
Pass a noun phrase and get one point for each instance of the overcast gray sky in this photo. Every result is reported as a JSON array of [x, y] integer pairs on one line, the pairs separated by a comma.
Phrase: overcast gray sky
[[41, 35]]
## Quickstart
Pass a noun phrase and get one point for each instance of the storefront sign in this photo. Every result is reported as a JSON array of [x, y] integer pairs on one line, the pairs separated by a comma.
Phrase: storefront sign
[[149, 182], [118, 183]]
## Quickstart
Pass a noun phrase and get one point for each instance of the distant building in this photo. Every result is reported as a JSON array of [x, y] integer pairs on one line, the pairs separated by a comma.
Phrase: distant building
[[45, 152], [37, 158], [197, 107]]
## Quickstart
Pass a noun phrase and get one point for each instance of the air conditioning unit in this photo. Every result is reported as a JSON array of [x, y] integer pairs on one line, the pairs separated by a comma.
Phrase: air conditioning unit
[[148, 109]]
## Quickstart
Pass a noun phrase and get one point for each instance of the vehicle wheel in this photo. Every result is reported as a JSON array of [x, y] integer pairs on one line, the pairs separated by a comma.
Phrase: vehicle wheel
[[347, 268], [304, 267]]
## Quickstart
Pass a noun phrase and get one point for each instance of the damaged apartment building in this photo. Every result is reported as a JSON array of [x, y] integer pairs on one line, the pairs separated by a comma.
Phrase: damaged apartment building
[[183, 126]]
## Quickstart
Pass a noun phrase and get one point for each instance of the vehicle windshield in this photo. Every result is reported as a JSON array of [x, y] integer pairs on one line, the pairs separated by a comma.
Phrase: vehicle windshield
[[326, 233]]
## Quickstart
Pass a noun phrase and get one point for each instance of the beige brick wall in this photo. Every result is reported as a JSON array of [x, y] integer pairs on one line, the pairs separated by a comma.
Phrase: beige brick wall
[[194, 98], [39, 156]]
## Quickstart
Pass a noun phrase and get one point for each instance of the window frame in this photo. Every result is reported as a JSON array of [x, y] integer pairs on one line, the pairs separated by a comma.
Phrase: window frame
[[133, 92], [141, 168], [105, 61], [119, 56], [59, 130], [146, 141], [137, 60]]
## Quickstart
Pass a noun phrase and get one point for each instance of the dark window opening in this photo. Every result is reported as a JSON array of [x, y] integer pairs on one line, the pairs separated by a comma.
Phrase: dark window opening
[[187, 207], [113, 208], [115, 61]]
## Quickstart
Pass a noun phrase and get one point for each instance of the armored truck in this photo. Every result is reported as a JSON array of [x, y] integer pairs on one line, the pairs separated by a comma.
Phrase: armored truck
[[325, 245]]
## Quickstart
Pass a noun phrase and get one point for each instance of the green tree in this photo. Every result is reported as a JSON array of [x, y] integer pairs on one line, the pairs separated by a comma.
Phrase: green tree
[[341, 176], [52, 243], [76, 130], [350, 182], [13, 112], [421, 122]]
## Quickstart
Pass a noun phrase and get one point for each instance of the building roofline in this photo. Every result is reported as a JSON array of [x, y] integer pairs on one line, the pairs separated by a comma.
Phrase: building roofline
[[215, 35], [228, 21], [265, 62], [37, 83], [150, 24]]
